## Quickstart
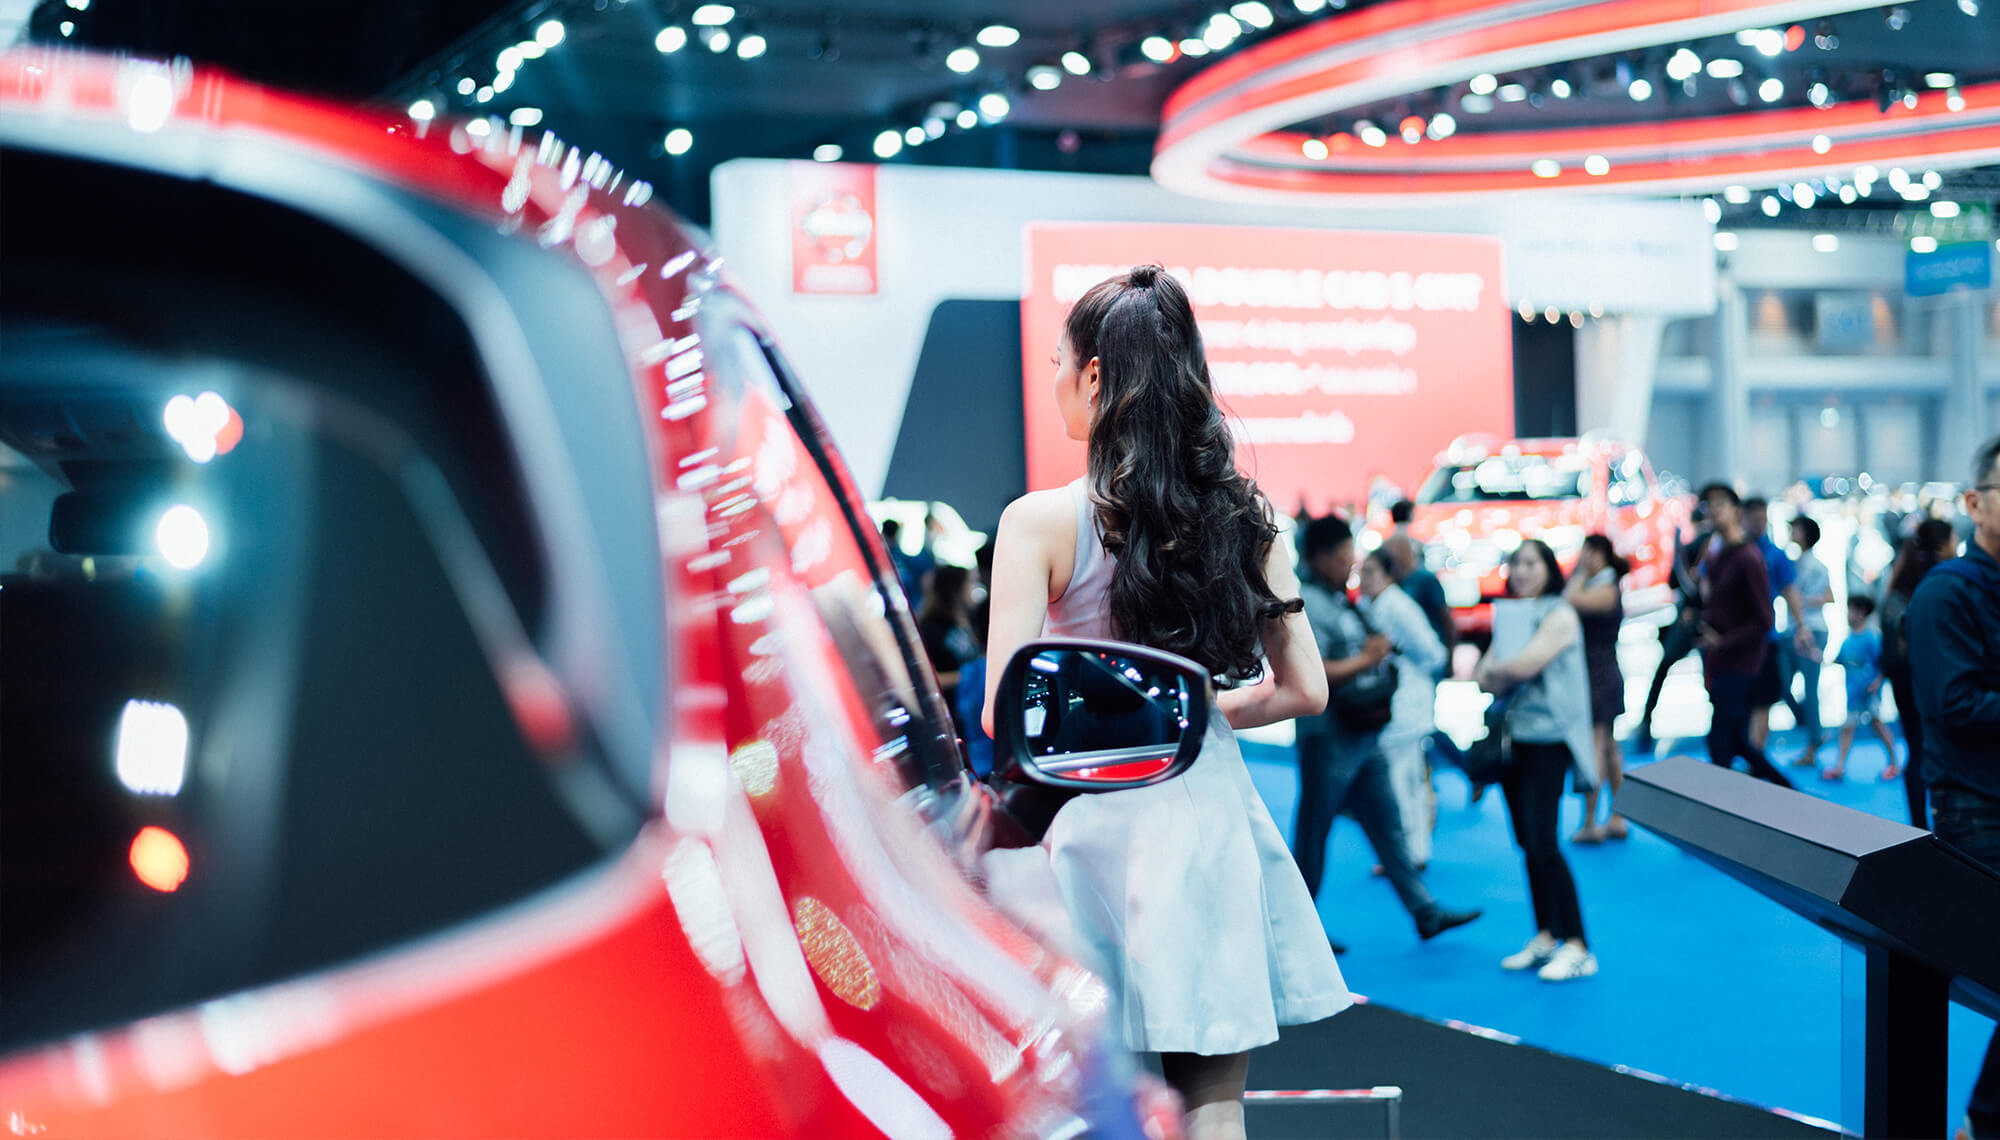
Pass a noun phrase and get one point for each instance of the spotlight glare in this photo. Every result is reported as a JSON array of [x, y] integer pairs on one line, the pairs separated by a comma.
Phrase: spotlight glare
[[423, 110], [914, 136], [967, 119], [152, 748], [1924, 244], [1443, 126], [1770, 42], [1712, 210], [1940, 79], [1597, 165], [1640, 90], [1771, 206], [1076, 63], [994, 106], [1159, 49], [1546, 168], [1736, 195], [1559, 88], [182, 537], [1194, 48], [1042, 77], [888, 144], [1819, 95], [525, 116], [1771, 90], [671, 39], [1933, 180], [1512, 93], [1821, 144], [1725, 241], [1724, 68], [998, 36], [751, 46], [1314, 149], [1484, 85], [549, 33], [467, 86], [679, 141], [1944, 209], [1308, 7], [962, 60], [713, 15], [827, 152], [1847, 195], [1954, 100], [1253, 13]]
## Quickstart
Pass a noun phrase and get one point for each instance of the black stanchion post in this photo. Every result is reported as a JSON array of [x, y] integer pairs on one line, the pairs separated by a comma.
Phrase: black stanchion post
[[1905, 1046]]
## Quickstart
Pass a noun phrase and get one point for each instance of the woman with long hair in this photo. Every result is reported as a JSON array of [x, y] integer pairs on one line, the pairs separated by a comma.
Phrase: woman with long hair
[[1184, 891], [1933, 543], [1548, 713], [1600, 606]]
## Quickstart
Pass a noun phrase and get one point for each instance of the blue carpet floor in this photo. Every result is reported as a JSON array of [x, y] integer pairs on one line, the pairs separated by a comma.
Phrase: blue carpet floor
[[1703, 981]]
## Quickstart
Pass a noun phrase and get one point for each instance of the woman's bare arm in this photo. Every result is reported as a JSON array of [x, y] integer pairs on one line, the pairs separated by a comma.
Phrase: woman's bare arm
[[1032, 528], [1297, 683], [1557, 632]]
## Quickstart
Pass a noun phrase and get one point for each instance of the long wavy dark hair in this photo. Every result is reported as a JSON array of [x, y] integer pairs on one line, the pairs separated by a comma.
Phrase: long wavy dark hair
[[1189, 532]]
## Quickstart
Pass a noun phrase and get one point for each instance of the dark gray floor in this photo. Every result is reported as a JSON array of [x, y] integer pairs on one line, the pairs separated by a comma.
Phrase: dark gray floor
[[1459, 1084]]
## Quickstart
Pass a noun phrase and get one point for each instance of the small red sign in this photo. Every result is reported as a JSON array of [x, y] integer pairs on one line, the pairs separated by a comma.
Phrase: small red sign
[[833, 227]]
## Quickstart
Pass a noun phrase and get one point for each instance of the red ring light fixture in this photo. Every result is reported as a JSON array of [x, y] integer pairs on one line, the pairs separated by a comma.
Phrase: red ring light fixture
[[1229, 132]]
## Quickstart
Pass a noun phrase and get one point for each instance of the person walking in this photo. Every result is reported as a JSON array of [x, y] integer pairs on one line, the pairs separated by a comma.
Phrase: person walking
[[1424, 589], [1342, 765], [1183, 892], [1419, 657], [1593, 591], [1547, 687], [1768, 686], [1935, 542], [1736, 623], [1815, 594], [1954, 627], [1677, 639], [1860, 662]]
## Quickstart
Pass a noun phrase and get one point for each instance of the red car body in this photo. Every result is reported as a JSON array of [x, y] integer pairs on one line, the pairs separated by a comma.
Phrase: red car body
[[783, 946], [1558, 490]]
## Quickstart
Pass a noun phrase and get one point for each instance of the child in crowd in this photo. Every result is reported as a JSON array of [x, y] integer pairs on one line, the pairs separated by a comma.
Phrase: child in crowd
[[1861, 658]]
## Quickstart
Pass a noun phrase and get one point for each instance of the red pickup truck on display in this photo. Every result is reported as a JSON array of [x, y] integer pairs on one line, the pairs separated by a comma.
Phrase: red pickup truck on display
[[1485, 496]]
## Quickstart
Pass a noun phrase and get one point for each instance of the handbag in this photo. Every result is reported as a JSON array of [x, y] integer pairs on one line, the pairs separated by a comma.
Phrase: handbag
[[1364, 703], [1487, 761]]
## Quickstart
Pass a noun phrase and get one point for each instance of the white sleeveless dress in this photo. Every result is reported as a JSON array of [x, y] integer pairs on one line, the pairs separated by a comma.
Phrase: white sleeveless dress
[[1185, 891]]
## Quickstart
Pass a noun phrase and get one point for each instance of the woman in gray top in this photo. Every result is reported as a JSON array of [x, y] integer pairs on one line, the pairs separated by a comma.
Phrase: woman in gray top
[[1549, 692]]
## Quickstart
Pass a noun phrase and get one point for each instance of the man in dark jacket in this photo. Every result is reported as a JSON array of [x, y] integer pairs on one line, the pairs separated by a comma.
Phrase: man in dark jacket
[[1954, 639], [1736, 620]]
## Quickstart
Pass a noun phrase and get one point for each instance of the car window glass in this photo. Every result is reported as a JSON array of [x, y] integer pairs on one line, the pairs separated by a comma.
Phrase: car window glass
[[1502, 478]]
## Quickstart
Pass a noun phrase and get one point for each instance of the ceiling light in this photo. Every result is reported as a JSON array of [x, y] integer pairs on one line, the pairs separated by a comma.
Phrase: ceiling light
[[1475, 104], [467, 86], [1712, 210], [529, 49], [1308, 7], [503, 81], [1916, 192], [1546, 168], [671, 39], [1803, 196], [1770, 206], [962, 60], [1076, 63], [182, 537], [1725, 241], [1847, 195], [1411, 128], [423, 110], [152, 748], [998, 36], [1314, 149], [967, 119], [1559, 88], [483, 95], [1953, 100], [914, 137], [1597, 165], [1724, 68], [1944, 209], [1910, 100], [1224, 25], [525, 116], [827, 152], [1483, 84], [713, 15], [1253, 13], [1443, 126], [1771, 90], [1821, 144], [1512, 93], [1770, 42], [1933, 179], [1159, 49], [888, 144], [1683, 65], [1640, 90], [994, 106], [1819, 95], [549, 33], [67, 28], [717, 40], [1194, 48], [1042, 77], [1925, 244], [1736, 195], [1940, 79], [1896, 18], [680, 140], [1825, 243], [1369, 133], [1969, 7], [508, 59], [933, 127], [751, 46]]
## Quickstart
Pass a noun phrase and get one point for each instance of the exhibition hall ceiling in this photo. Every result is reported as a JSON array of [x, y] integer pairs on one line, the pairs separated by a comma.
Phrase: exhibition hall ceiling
[[1274, 100]]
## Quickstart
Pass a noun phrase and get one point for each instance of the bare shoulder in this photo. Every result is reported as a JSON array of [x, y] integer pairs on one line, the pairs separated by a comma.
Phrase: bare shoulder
[[1049, 514]]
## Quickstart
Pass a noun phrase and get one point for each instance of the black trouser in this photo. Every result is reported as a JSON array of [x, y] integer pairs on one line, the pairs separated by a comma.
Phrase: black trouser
[[1912, 725], [1339, 772], [1729, 726], [1533, 786], [1676, 642], [1970, 822]]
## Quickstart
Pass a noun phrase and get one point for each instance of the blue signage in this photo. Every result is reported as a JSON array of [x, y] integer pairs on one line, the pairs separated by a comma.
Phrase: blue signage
[[1960, 265]]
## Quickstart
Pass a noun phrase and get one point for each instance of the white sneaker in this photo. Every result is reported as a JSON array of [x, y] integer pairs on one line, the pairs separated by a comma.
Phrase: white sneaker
[[1568, 963], [1538, 951]]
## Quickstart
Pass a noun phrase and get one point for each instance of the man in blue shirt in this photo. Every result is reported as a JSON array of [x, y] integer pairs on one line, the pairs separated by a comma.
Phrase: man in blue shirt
[[1954, 636], [1769, 687]]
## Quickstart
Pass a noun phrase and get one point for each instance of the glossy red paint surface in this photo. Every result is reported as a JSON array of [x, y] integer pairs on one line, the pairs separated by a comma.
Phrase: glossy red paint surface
[[786, 950], [1475, 538]]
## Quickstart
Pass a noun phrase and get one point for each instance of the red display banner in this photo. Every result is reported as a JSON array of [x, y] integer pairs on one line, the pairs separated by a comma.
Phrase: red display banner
[[1338, 357], [833, 227]]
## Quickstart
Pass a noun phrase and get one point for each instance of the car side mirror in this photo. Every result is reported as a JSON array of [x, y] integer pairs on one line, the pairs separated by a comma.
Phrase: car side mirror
[[1099, 715]]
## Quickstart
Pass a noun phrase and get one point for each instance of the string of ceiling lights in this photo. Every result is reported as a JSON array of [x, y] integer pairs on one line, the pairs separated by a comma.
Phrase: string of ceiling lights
[[991, 89]]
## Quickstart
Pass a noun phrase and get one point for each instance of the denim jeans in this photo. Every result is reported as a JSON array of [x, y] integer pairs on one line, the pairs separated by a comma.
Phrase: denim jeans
[[1971, 822], [1345, 772], [1805, 707]]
